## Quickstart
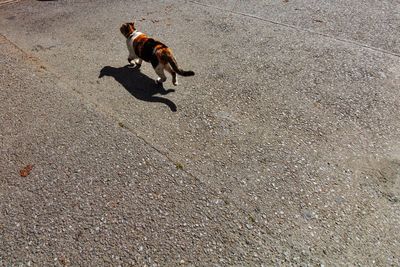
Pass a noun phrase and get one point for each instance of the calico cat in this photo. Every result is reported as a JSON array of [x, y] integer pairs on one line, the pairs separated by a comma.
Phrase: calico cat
[[158, 54]]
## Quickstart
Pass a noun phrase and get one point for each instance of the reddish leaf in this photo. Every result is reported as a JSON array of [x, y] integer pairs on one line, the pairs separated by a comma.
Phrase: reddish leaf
[[26, 171]]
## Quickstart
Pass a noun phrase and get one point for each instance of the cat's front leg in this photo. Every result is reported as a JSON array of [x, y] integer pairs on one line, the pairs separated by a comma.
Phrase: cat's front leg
[[131, 61], [139, 62], [135, 62]]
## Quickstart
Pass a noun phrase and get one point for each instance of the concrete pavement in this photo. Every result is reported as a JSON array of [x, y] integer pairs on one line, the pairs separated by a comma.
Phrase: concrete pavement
[[97, 195], [291, 121]]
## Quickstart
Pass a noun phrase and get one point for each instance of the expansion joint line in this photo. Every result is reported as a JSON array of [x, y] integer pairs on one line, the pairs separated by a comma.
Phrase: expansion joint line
[[6, 2], [298, 29]]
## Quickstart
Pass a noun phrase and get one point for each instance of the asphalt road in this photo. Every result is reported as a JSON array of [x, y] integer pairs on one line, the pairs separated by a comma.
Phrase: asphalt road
[[283, 149]]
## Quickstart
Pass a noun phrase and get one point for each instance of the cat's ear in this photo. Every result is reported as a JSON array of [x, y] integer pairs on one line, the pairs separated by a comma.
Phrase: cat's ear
[[132, 24]]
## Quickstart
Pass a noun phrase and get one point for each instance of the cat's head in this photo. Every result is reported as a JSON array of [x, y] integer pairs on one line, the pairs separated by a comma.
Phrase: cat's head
[[127, 29]]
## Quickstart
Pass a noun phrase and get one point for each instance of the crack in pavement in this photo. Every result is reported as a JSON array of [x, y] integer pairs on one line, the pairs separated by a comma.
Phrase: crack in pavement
[[355, 43], [7, 2]]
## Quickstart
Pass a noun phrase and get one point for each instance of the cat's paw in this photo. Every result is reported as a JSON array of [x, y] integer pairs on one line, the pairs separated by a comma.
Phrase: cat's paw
[[160, 80], [175, 83]]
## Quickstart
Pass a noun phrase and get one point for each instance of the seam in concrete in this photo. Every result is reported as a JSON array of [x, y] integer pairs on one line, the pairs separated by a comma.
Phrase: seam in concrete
[[298, 29], [32, 59], [6, 2]]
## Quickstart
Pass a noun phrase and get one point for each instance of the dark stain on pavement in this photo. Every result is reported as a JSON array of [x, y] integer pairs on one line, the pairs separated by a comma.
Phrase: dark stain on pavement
[[138, 84]]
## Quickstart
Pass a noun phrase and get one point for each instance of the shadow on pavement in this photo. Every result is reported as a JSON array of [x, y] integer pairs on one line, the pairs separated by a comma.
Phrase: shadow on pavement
[[139, 85]]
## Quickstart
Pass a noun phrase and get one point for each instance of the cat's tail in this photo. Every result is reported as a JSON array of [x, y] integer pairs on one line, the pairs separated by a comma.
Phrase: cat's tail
[[174, 66]]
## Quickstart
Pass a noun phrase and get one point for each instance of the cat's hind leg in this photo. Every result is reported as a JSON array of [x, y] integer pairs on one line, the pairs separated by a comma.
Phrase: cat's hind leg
[[160, 72], [173, 74]]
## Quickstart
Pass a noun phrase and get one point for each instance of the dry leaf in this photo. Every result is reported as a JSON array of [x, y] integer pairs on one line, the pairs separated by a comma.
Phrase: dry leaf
[[26, 171]]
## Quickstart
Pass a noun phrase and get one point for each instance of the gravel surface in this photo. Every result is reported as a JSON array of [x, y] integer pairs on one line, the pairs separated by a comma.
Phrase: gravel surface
[[283, 149]]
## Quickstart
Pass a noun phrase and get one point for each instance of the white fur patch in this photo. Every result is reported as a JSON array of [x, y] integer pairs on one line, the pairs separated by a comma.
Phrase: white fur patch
[[129, 43]]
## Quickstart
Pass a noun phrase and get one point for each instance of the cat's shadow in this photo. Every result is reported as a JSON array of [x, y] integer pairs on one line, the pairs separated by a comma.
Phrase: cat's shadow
[[138, 84]]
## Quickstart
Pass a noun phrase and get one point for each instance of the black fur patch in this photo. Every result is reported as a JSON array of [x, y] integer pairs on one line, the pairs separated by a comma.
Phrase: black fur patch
[[154, 61], [148, 48]]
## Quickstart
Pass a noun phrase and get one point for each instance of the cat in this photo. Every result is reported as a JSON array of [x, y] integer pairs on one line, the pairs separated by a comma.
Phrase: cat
[[158, 54]]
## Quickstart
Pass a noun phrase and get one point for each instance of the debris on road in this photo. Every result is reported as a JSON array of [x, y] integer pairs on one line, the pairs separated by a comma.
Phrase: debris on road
[[26, 171]]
